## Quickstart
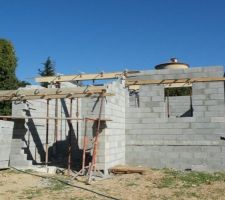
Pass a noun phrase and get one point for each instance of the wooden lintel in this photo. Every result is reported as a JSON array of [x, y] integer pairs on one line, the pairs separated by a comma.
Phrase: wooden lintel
[[54, 97], [83, 77], [171, 81], [134, 87], [95, 119], [52, 93], [51, 118]]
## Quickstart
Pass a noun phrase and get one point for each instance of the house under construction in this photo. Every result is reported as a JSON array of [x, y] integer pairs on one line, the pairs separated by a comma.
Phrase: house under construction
[[172, 116]]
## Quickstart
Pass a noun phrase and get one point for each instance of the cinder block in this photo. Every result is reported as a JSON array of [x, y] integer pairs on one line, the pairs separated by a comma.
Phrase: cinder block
[[158, 109], [216, 96], [204, 125], [158, 98]]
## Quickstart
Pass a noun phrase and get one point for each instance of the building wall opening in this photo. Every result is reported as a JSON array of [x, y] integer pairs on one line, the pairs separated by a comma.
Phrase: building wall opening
[[179, 101]]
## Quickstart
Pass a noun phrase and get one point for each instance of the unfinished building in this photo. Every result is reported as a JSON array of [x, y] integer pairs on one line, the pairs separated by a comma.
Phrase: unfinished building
[[170, 117]]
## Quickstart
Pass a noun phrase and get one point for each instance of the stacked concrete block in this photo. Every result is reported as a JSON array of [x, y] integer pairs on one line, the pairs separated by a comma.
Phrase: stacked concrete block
[[90, 108], [179, 106], [115, 131], [6, 132], [178, 142], [214, 71], [140, 131], [32, 132], [111, 144]]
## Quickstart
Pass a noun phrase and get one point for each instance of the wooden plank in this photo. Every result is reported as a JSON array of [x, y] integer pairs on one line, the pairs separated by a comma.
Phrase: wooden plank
[[82, 77], [127, 170], [52, 93], [60, 96], [134, 87], [176, 85], [51, 118], [171, 81], [171, 85]]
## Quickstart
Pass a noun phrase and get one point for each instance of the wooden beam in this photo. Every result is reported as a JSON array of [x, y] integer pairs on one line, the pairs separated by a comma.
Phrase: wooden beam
[[171, 81], [52, 93], [133, 87], [177, 85], [126, 170], [51, 118], [83, 77]]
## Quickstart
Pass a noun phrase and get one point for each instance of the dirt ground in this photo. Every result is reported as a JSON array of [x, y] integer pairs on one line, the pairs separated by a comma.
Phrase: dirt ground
[[153, 184]]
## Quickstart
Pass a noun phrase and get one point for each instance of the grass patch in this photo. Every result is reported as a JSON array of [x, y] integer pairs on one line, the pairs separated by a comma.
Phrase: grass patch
[[29, 171], [131, 184], [193, 194], [11, 191], [189, 179], [58, 184], [9, 171], [32, 193], [167, 181]]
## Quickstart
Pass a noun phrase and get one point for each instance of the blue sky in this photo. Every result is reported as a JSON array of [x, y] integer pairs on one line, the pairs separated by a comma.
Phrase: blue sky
[[113, 35]]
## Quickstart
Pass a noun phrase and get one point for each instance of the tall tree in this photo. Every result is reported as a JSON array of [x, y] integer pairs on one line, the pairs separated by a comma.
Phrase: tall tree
[[48, 70], [8, 80]]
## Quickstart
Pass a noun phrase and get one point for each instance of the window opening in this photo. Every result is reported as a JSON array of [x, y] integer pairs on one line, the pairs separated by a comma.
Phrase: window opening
[[179, 101]]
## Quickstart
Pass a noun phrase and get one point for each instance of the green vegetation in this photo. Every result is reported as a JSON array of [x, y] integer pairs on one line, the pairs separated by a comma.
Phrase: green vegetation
[[57, 185], [32, 193], [10, 171], [179, 91], [48, 70], [131, 184], [54, 185], [189, 179], [8, 80]]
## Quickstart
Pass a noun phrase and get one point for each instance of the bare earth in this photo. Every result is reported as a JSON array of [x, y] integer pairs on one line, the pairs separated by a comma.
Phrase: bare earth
[[154, 184]]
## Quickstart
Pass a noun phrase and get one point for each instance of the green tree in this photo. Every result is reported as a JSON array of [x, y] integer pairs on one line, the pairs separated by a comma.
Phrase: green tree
[[179, 91], [8, 80], [48, 70], [22, 83]]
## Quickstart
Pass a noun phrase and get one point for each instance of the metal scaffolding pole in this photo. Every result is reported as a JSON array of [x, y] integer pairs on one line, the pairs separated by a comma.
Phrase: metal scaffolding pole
[[84, 146], [47, 131], [70, 137], [94, 156]]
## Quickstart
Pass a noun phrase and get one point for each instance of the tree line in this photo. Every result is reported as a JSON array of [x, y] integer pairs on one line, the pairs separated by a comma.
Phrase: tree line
[[8, 79]]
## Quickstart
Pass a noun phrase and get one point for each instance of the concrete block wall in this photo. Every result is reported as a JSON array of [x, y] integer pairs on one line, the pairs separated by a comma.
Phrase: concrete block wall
[[90, 108], [32, 132], [6, 132], [154, 140], [134, 99], [143, 134], [210, 71], [179, 106], [111, 146], [115, 130]]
